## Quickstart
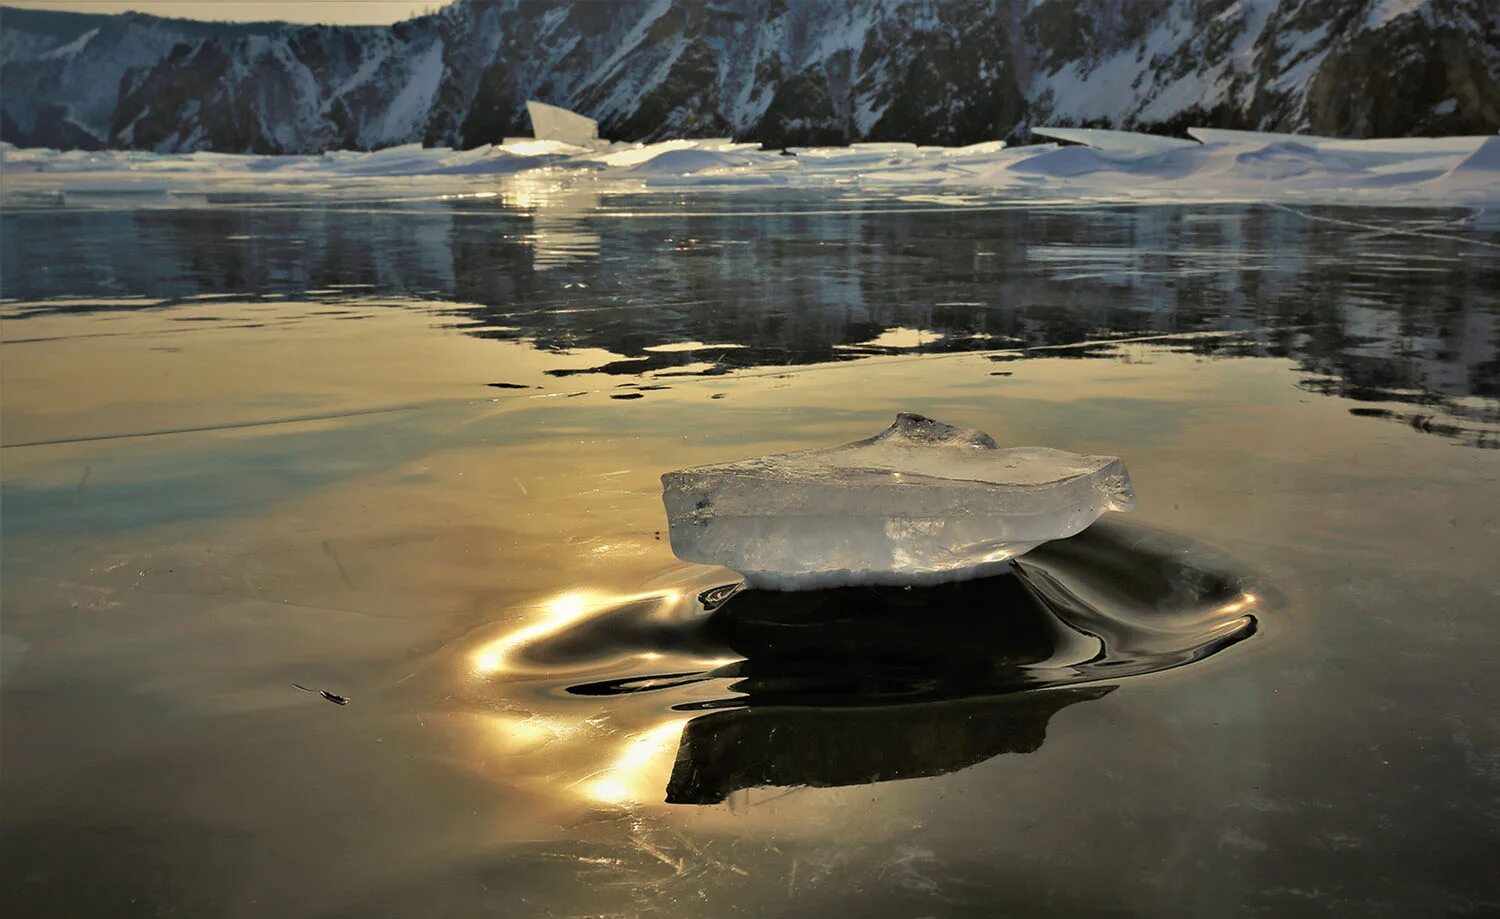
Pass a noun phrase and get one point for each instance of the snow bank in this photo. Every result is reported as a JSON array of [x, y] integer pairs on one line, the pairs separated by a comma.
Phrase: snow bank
[[693, 160], [1115, 141], [1105, 165], [1475, 176]]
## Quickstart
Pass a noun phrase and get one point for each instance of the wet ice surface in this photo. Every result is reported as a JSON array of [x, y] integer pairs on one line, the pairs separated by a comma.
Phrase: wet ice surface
[[920, 503], [372, 447], [854, 685]]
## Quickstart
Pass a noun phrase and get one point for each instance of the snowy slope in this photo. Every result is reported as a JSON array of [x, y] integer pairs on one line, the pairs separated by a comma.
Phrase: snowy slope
[[61, 72], [1341, 67], [785, 72]]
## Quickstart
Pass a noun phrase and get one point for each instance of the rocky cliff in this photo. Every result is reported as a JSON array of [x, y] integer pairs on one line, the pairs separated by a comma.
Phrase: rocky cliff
[[777, 71]]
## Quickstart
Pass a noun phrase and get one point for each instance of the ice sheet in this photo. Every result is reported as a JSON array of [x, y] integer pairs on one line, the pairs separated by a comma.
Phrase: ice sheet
[[1112, 166], [922, 502], [1116, 141], [548, 122]]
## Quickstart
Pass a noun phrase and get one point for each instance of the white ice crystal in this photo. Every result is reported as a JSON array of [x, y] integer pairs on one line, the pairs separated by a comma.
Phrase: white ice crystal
[[919, 503]]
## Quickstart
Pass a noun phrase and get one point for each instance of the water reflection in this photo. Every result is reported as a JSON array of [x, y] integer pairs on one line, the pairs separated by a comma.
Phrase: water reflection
[[630, 776], [653, 286], [557, 614], [726, 752], [559, 211], [856, 685]]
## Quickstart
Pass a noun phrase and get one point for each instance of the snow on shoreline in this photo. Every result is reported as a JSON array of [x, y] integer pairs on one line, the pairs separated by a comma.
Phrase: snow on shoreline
[[1105, 166]]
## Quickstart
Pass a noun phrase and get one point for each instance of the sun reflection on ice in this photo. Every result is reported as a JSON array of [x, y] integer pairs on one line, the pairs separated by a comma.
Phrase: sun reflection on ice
[[532, 732], [561, 234], [1246, 601], [557, 614], [641, 767]]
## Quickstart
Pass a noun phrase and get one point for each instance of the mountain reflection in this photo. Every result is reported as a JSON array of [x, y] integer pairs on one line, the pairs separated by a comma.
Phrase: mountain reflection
[[713, 284]]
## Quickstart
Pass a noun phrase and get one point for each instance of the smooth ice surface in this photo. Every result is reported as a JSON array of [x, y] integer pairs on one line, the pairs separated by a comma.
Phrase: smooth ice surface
[[920, 503]]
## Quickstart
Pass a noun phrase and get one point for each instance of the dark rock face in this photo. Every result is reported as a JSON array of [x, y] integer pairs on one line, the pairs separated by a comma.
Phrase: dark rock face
[[1420, 76], [62, 72], [958, 85], [1357, 68], [778, 71]]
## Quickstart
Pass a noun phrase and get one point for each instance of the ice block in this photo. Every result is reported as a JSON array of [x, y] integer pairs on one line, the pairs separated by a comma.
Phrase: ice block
[[920, 503]]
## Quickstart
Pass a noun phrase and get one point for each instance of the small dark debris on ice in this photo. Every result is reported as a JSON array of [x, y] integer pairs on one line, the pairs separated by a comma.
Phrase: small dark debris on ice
[[331, 697]]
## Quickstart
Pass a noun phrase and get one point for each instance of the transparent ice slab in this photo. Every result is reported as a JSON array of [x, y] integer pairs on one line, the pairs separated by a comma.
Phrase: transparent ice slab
[[920, 503]]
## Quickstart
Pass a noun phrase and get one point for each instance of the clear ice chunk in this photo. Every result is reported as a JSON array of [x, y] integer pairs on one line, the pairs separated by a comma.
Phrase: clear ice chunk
[[920, 503], [548, 122]]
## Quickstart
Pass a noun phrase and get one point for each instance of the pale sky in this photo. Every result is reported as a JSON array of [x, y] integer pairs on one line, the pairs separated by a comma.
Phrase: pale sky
[[344, 11]]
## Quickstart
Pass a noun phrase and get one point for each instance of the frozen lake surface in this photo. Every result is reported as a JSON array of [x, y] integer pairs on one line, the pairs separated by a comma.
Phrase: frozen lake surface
[[405, 445]]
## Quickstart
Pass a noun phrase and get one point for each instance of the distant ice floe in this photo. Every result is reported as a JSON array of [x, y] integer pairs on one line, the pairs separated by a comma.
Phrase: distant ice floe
[[1096, 165]]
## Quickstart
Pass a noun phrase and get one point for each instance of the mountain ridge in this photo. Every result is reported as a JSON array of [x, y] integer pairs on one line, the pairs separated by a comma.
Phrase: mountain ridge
[[783, 72]]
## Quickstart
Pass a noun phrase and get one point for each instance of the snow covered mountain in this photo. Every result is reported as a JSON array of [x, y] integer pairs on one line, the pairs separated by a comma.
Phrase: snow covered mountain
[[779, 71], [1357, 68], [60, 72]]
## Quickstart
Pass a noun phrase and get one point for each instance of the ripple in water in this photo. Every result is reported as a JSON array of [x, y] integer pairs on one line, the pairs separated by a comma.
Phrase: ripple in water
[[855, 685]]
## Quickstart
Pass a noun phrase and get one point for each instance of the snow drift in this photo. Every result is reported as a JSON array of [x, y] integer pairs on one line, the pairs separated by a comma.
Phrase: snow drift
[[1108, 165]]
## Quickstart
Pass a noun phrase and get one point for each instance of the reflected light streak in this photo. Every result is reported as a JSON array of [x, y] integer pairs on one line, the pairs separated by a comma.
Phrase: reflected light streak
[[557, 614], [560, 234], [539, 147], [521, 734], [527, 193], [635, 773], [1246, 601]]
